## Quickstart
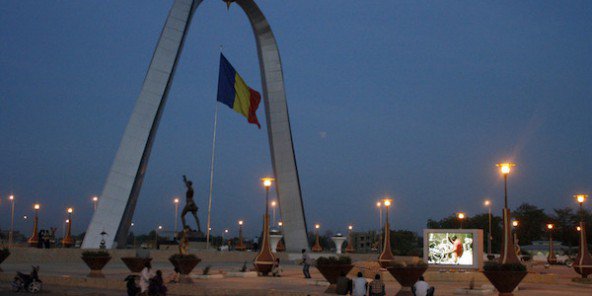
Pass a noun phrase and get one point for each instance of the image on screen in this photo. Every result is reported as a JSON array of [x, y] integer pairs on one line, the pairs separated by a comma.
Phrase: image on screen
[[450, 248]]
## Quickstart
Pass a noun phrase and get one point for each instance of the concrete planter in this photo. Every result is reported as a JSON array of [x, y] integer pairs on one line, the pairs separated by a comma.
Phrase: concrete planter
[[185, 264], [406, 276], [332, 272], [96, 264], [4, 253], [135, 264], [505, 281]]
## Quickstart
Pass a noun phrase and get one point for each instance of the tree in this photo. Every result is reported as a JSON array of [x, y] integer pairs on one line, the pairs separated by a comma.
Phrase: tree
[[532, 221]]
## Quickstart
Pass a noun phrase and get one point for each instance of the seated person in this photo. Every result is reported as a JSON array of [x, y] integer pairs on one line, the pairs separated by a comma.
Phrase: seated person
[[275, 269], [157, 286], [344, 285], [421, 288]]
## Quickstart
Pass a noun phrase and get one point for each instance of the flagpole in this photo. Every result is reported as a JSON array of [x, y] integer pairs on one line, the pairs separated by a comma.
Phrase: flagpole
[[212, 176]]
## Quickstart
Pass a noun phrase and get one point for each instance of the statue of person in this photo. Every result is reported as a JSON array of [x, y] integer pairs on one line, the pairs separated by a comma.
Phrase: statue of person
[[184, 243], [190, 205]]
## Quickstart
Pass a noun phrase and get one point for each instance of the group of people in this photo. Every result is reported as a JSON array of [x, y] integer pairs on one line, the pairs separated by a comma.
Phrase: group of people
[[360, 287], [151, 283]]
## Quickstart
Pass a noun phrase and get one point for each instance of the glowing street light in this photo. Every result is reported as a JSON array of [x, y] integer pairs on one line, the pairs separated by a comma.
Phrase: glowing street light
[[176, 203], [34, 239], [11, 198], [350, 241], [487, 203], [240, 246], [386, 256], [68, 241], [273, 206], [515, 223], [95, 200], [507, 254], [317, 246], [551, 258], [581, 198], [461, 217], [280, 224]]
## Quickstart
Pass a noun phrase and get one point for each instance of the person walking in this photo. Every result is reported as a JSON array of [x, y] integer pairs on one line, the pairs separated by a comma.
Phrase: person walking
[[305, 264], [377, 287], [359, 285]]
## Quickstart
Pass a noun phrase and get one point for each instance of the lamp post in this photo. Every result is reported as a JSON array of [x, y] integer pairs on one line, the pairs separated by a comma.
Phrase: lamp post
[[350, 240], [240, 246], [273, 205], [551, 257], [583, 262], [280, 246], [487, 203], [515, 224], [133, 234], [10, 235], [317, 246], [68, 241], [34, 239], [159, 228], [461, 217], [95, 200], [176, 203], [379, 206], [264, 260], [386, 257], [507, 254]]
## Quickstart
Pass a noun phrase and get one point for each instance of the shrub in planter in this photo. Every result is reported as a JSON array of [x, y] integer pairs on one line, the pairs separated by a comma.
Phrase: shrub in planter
[[504, 277], [4, 253], [184, 264], [332, 267], [135, 264], [96, 260], [407, 274]]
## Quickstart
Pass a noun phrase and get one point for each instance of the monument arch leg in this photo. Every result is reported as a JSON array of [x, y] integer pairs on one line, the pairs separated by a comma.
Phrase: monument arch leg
[[120, 194]]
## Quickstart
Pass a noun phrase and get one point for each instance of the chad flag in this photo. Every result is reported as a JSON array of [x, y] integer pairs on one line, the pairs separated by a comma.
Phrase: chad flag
[[236, 94]]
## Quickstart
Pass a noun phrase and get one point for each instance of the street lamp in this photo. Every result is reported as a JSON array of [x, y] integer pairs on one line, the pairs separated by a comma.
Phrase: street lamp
[[317, 246], [350, 241], [583, 260], [273, 205], [176, 203], [379, 206], [461, 217], [10, 235], [95, 200], [159, 228], [507, 255], [551, 257], [487, 203], [34, 239], [68, 241], [386, 257], [240, 246], [264, 260]]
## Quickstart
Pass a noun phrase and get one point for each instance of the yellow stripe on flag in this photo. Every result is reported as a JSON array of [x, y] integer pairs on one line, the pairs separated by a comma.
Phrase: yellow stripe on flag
[[241, 99]]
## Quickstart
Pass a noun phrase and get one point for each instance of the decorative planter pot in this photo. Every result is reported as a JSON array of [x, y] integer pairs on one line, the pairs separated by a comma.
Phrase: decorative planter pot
[[332, 272], [406, 276], [263, 268], [3, 255], [185, 265], [96, 264], [505, 281], [135, 264]]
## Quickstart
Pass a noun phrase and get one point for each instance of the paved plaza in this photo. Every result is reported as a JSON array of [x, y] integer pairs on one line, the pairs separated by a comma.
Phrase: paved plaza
[[64, 273]]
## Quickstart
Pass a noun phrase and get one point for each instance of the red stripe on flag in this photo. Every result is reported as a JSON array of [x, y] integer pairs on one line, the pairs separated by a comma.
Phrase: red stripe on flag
[[255, 99]]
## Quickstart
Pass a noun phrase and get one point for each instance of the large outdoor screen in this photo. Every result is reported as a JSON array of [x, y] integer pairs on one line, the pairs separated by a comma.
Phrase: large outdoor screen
[[450, 248]]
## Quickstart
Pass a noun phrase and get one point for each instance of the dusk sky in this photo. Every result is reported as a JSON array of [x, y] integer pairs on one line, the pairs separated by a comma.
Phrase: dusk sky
[[415, 100]]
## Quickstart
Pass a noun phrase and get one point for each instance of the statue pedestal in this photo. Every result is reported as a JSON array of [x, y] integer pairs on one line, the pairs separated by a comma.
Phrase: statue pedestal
[[274, 239], [338, 240]]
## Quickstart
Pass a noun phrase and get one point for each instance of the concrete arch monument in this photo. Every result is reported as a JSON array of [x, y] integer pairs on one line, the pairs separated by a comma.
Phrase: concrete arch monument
[[122, 188]]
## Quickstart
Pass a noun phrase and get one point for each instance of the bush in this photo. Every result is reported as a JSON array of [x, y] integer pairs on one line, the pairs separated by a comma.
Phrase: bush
[[95, 254], [496, 266], [175, 257], [341, 260]]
